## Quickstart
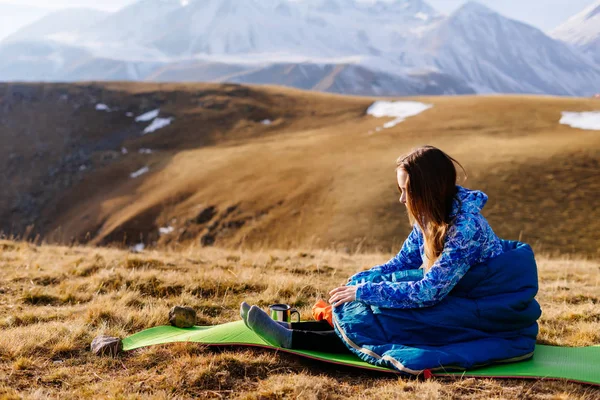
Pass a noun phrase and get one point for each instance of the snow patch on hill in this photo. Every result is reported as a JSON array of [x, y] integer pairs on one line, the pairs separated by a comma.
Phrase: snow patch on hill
[[400, 110], [157, 124], [139, 172], [150, 115], [582, 120]]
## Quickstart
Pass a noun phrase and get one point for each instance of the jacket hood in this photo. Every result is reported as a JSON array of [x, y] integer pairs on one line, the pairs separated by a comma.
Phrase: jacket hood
[[471, 201]]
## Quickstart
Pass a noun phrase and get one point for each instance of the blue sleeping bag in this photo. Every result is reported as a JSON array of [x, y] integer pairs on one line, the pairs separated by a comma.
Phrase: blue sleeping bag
[[489, 316]]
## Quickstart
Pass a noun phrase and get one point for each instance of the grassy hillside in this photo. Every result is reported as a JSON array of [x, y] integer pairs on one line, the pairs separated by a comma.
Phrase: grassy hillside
[[319, 176], [55, 300]]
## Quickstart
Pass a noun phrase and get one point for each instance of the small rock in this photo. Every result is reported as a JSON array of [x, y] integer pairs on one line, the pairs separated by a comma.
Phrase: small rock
[[182, 317], [106, 345]]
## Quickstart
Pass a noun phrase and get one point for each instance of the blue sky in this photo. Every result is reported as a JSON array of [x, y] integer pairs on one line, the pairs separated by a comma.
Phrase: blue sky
[[544, 14]]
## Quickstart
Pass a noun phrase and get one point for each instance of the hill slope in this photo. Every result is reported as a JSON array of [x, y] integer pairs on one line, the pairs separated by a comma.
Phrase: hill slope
[[273, 167]]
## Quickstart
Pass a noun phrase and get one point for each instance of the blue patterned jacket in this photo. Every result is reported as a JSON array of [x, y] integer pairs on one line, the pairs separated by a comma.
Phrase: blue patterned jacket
[[470, 241]]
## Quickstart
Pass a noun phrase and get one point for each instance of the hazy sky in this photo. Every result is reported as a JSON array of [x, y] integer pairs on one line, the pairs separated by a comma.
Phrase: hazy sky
[[545, 14]]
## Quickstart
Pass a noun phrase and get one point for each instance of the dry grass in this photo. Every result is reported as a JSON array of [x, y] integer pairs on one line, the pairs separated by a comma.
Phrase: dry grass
[[55, 300]]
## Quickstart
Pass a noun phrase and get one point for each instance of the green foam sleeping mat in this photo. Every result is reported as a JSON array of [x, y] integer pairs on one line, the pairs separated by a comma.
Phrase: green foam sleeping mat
[[576, 364]]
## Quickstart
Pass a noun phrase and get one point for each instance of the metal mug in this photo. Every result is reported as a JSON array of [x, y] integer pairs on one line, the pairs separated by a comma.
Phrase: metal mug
[[282, 312]]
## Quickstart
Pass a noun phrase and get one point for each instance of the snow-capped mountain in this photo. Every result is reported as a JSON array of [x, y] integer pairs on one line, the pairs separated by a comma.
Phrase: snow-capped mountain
[[68, 22], [497, 54], [276, 28], [131, 23], [232, 27], [583, 31], [367, 47]]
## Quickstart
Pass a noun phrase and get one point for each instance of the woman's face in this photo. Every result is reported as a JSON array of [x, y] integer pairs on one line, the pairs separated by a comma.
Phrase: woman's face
[[402, 177]]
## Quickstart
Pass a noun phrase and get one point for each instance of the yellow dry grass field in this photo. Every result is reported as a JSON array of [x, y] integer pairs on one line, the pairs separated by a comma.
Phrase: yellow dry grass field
[[55, 300]]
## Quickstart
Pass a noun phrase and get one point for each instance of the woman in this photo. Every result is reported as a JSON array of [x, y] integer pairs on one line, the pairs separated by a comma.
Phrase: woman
[[455, 296]]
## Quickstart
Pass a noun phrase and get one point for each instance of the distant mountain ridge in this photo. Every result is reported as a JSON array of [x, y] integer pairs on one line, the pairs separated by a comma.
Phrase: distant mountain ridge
[[402, 47]]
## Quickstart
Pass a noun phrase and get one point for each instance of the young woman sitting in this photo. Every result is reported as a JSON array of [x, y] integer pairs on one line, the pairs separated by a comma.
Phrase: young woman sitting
[[456, 296]]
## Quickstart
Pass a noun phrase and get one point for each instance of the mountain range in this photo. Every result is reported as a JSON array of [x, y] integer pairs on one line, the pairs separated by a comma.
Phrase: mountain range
[[402, 47]]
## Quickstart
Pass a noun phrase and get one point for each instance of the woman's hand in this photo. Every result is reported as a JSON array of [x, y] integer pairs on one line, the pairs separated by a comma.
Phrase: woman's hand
[[343, 294]]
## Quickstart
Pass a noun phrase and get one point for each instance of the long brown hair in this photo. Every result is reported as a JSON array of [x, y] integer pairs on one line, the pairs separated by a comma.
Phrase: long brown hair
[[431, 189]]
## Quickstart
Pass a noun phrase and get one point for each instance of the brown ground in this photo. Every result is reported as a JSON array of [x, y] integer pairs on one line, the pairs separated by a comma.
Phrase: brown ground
[[55, 300], [315, 178]]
